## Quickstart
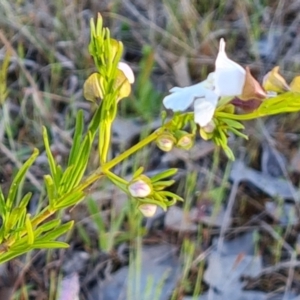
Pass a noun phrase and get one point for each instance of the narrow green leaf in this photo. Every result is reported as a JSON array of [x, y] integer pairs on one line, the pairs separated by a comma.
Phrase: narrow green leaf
[[238, 133], [3, 209], [222, 138], [14, 218], [20, 244], [151, 201], [138, 172], [229, 153], [171, 195], [8, 256], [99, 24], [25, 200], [55, 233], [164, 174], [233, 123], [46, 227], [51, 192], [170, 202], [64, 181], [216, 140], [51, 160], [69, 200], [18, 178], [30, 235], [162, 184], [158, 196], [80, 163], [77, 138], [50, 245]]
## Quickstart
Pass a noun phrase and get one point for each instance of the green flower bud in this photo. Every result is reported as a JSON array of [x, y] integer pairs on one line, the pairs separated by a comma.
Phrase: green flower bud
[[185, 140], [165, 141]]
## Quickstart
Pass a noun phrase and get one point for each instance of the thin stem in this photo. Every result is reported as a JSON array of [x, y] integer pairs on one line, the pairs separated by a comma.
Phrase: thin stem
[[133, 149], [116, 178], [250, 116]]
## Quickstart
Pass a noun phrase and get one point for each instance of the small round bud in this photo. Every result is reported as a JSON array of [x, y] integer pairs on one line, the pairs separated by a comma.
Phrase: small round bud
[[185, 140], [140, 187], [165, 142], [148, 210], [210, 127]]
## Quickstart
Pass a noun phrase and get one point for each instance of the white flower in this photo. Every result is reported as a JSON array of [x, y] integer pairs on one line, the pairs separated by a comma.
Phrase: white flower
[[227, 81], [127, 71]]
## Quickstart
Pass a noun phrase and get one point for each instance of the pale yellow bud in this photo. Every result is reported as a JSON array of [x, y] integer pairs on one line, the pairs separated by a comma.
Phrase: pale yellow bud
[[165, 142], [148, 210], [139, 188]]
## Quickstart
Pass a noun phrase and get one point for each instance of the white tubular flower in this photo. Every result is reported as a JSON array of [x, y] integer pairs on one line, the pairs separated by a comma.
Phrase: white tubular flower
[[229, 76], [127, 71], [227, 81]]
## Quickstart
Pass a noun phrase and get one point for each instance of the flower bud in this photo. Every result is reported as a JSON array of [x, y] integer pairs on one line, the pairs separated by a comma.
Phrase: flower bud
[[148, 210], [295, 85], [140, 187], [210, 127], [274, 82], [206, 135], [185, 140], [165, 142]]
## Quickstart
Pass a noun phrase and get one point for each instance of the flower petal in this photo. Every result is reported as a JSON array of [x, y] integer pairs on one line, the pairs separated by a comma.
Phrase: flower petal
[[93, 87], [182, 98], [252, 89], [229, 76], [122, 83], [205, 107], [127, 71]]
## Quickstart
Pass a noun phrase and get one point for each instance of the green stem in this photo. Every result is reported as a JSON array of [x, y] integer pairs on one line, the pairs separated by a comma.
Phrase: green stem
[[133, 149], [116, 178], [250, 116], [105, 137]]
